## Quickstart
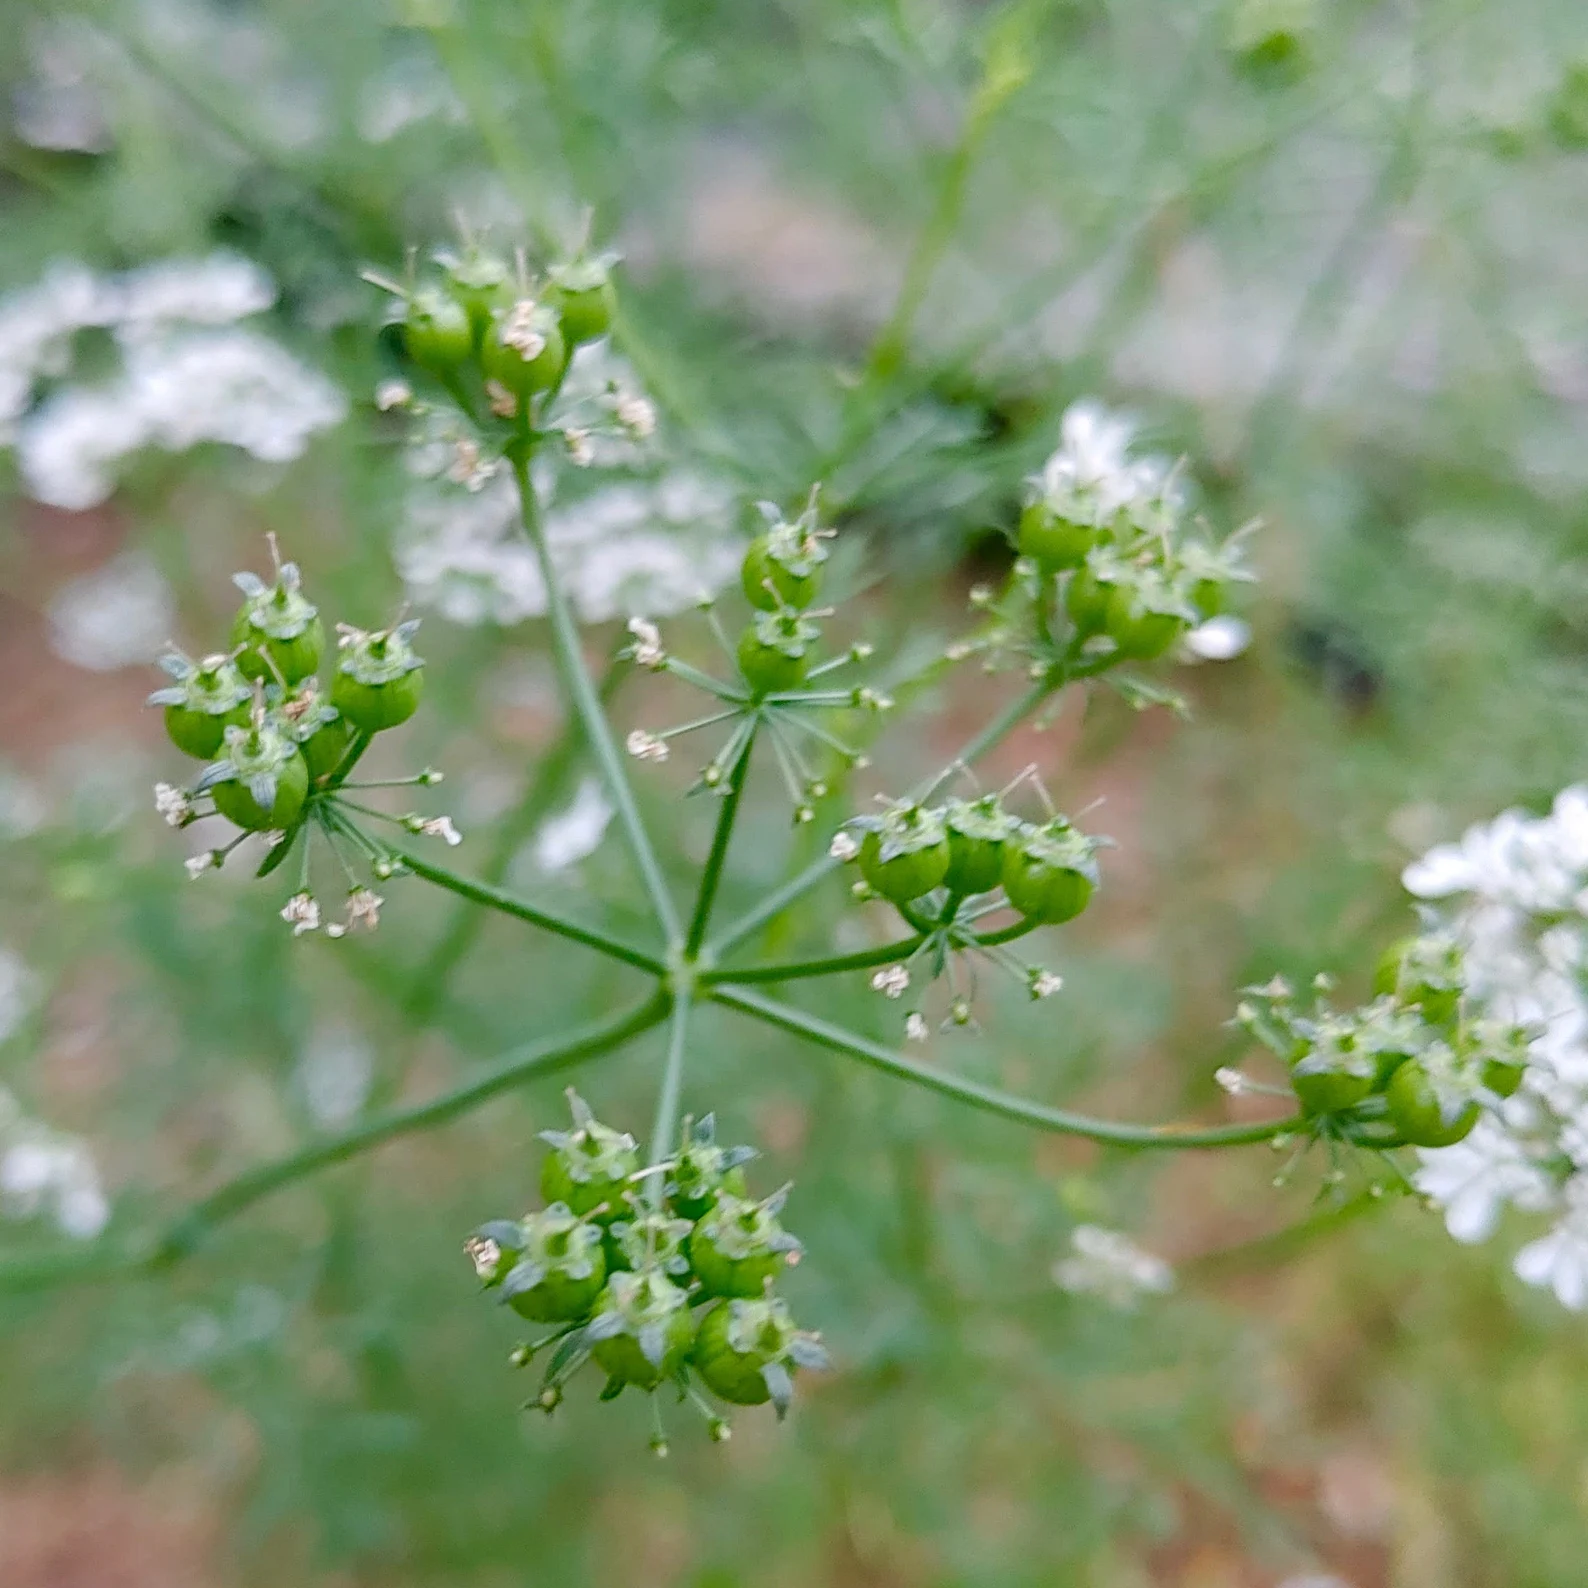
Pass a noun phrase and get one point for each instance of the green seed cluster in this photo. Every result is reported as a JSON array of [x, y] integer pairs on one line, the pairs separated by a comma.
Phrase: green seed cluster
[[497, 340], [658, 1275], [270, 730], [1133, 575], [1417, 1066], [1047, 871], [781, 576]]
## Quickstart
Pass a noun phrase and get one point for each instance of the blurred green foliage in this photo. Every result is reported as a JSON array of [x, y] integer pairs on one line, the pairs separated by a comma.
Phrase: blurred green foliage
[[1332, 253]]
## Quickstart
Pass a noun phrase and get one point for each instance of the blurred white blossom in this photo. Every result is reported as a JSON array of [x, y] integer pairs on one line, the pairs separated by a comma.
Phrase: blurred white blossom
[[119, 615], [43, 1172], [1220, 639], [651, 546], [1514, 891], [187, 373], [335, 1070], [574, 832], [1093, 475], [17, 990], [1109, 1265]]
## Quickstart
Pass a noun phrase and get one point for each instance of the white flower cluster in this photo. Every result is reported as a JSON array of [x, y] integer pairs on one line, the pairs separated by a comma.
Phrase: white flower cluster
[[1093, 475], [188, 373], [1515, 894], [1110, 1266], [43, 1171], [652, 546]]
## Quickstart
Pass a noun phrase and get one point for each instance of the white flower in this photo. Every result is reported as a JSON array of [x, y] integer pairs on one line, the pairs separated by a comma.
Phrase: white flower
[[197, 865], [1109, 1265], [891, 981], [441, 827], [1092, 475], [470, 467], [302, 913], [1232, 1081], [1220, 639], [43, 1171], [581, 449], [393, 394], [17, 991], [1560, 1259], [120, 615], [334, 1074], [915, 1026], [1474, 1180], [572, 834], [363, 909], [637, 416], [520, 332], [844, 847], [647, 648], [645, 746], [1044, 983], [485, 1254], [172, 803]]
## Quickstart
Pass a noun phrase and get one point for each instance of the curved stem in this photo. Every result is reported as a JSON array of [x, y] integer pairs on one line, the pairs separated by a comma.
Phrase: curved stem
[[586, 705], [1004, 934], [101, 1260], [834, 965], [508, 904], [712, 875], [776, 902], [665, 1125], [1039, 1115]]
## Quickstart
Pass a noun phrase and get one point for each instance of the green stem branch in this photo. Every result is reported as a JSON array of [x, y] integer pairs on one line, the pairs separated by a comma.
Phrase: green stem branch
[[700, 919], [102, 1260], [776, 902], [1022, 1110], [664, 1127], [587, 706], [496, 899]]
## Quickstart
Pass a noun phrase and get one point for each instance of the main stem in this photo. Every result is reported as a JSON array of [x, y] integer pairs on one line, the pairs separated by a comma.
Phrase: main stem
[[664, 1128], [587, 705]]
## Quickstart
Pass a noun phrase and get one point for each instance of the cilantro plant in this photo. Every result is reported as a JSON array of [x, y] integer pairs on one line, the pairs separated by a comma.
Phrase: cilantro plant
[[657, 1265]]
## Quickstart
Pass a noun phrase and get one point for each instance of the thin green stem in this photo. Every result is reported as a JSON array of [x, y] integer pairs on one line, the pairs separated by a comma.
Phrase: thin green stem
[[1022, 1110], [496, 899], [351, 756], [834, 965], [664, 1127], [720, 839], [551, 782], [1006, 934], [587, 706], [776, 902], [105, 1260]]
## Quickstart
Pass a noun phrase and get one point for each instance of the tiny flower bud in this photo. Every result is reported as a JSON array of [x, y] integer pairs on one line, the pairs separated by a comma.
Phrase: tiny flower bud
[[520, 1356], [957, 652], [363, 909], [647, 648], [470, 468], [1044, 983], [440, 827], [712, 775], [430, 777], [915, 1027], [197, 865], [503, 403], [486, 1256], [659, 1447], [302, 913], [172, 804], [891, 981], [581, 454], [959, 1011], [1231, 1080], [844, 847], [804, 814], [719, 1430], [981, 596], [393, 394], [861, 890], [861, 650], [384, 869], [637, 416], [645, 746]]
